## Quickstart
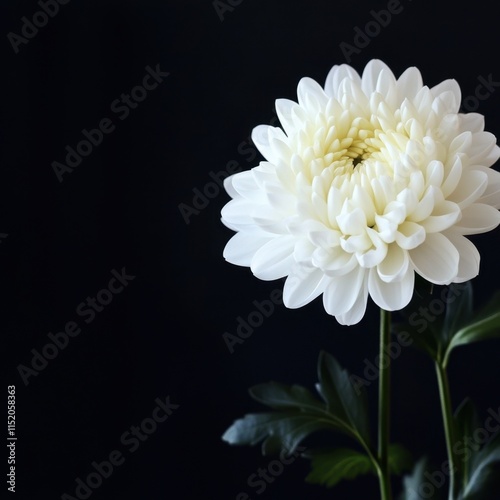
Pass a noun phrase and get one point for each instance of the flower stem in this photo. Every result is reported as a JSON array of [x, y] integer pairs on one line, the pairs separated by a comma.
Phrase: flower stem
[[449, 429], [384, 403]]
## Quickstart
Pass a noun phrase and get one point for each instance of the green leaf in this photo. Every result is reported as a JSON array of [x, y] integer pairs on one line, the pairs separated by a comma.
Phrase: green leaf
[[413, 485], [481, 470], [343, 400], [328, 468], [283, 397], [289, 428], [485, 328], [298, 413], [440, 322], [400, 459]]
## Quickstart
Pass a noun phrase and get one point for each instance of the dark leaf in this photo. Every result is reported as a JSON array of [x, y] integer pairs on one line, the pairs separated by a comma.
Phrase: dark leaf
[[290, 428], [329, 467], [283, 397], [299, 413], [400, 459], [482, 465], [345, 401], [417, 486]]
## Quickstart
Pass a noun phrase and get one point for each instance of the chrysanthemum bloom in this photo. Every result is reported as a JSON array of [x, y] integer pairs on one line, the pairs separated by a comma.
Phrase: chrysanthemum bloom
[[371, 180]]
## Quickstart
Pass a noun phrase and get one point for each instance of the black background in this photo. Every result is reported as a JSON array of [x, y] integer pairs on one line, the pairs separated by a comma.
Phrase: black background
[[162, 336]]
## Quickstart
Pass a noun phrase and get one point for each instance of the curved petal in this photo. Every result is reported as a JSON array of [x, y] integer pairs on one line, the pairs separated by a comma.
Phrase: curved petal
[[478, 218], [395, 264], [410, 235], [342, 292], [436, 259], [409, 83], [468, 266], [357, 311], [303, 286], [274, 259], [391, 296], [241, 248], [335, 77], [371, 74], [284, 109], [471, 187]]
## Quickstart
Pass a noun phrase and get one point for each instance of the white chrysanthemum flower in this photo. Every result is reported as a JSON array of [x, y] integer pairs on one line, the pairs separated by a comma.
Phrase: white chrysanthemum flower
[[371, 180]]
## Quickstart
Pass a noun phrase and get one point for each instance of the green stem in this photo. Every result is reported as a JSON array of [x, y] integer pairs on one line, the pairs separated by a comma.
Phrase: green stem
[[384, 402], [449, 429]]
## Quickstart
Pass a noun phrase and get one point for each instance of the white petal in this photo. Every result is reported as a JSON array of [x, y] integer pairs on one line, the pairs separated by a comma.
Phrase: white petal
[[409, 83], [449, 88], [311, 95], [260, 138], [410, 235], [444, 215], [483, 144], [371, 74], [335, 77], [245, 185], [284, 109], [468, 266], [241, 248], [471, 186], [391, 296], [342, 292], [357, 311], [228, 186], [491, 196], [274, 259], [303, 286], [436, 259], [478, 218], [474, 122], [395, 264]]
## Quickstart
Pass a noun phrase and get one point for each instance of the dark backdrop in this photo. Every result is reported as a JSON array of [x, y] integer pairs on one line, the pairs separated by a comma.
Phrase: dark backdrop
[[119, 210]]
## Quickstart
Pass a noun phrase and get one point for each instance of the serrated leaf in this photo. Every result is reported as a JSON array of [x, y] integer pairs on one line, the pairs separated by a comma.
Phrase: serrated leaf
[[413, 484], [400, 459], [290, 428], [484, 329], [342, 399], [283, 397], [328, 468], [299, 413], [481, 467]]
